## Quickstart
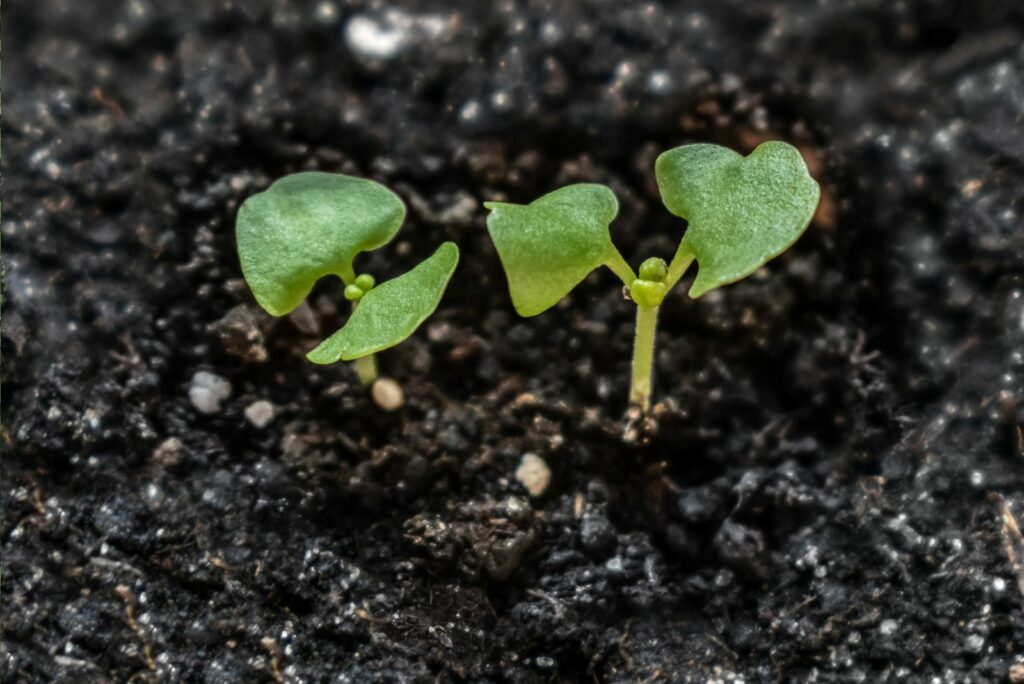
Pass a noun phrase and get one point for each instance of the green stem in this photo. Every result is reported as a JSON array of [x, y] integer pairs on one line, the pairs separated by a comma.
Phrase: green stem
[[620, 268], [680, 262], [366, 369], [643, 356], [366, 366]]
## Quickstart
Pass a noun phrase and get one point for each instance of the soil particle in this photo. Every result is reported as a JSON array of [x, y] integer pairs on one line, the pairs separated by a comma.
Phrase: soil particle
[[260, 413], [534, 474], [169, 453], [240, 333], [207, 391]]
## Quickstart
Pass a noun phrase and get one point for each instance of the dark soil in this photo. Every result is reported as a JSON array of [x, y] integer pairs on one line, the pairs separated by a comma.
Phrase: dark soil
[[833, 489]]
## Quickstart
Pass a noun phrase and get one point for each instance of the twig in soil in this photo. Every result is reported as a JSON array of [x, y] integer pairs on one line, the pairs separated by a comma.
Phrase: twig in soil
[[721, 644], [1013, 542], [627, 658], [537, 593], [125, 593], [798, 607], [110, 564], [110, 103], [270, 645], [655, 676]]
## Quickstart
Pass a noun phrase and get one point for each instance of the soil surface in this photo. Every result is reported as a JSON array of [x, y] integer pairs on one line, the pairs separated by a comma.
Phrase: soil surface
[[833, 490]]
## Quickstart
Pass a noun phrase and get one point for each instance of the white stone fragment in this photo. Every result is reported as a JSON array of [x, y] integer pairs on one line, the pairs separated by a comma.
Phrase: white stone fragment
[[370, 39], [260, 413], [534, 474], [207, 391]]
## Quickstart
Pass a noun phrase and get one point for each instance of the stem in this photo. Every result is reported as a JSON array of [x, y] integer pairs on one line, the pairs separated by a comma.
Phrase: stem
[[620, 268], [680, 262], [366, 369], [643, 356], [366, 366]]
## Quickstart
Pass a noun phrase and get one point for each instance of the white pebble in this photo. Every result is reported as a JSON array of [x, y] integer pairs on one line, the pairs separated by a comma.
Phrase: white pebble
[[387, 394], [888, 627], [260, 413], [470, 111], [207, 391], [534, 474], [371, 39]]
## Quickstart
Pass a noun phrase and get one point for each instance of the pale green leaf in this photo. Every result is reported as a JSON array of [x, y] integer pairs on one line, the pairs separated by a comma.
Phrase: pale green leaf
[[392, 311], [742, 211], [308, 225], [548, 246]]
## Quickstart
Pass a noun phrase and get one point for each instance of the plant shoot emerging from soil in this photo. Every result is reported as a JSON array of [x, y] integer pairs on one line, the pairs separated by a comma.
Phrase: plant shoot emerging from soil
[[309, 225], [741, 212]]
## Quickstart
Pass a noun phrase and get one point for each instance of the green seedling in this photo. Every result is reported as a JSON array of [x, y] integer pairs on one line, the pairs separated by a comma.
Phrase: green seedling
[[309, 225], [741, 212]]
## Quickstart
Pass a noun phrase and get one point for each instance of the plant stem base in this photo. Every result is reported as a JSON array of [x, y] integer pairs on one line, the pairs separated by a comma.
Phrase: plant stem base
[[366, 369], [643, 357]]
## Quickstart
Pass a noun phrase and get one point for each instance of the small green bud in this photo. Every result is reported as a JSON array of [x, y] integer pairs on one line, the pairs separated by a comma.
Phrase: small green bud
[[365, 282], [647, 293], [654, 269], [353, 292]]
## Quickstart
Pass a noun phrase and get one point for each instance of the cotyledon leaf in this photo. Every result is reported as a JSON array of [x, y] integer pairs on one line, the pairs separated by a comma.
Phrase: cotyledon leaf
[[308, 225], [392, 311], [549, 245], [742, 211]]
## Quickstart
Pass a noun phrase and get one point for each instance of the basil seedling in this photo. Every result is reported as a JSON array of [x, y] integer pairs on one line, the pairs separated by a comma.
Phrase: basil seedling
[[309, 225], [741, 212]]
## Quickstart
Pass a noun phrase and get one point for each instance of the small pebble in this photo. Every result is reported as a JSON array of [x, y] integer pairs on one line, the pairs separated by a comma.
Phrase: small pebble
[[207, 391], [888, 627], [534, 474], [169, 453], [375, 40], [387, 394], [260, 413]]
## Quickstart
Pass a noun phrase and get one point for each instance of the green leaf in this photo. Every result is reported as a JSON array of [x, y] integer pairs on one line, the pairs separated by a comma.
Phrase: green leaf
[[306, 226], [392, 311], [548, 246], [742, 211]]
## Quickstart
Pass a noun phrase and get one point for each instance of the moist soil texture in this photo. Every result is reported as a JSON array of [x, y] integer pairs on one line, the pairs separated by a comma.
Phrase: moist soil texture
[[831, 488]]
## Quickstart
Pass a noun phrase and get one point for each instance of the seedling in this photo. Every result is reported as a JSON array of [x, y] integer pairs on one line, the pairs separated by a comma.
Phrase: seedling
[[309, 225], [741, 212]]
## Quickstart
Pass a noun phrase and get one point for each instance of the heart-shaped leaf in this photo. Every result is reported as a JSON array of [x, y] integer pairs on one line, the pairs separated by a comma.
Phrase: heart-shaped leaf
[[308, 225], [392, 311], [549, 245], [742, 211]]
